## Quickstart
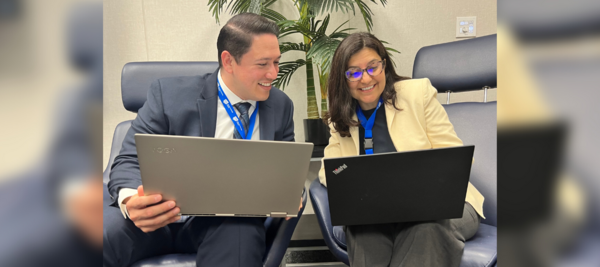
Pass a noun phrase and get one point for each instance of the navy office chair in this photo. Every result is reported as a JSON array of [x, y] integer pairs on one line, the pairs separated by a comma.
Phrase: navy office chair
[[135, 82], [458, 66]]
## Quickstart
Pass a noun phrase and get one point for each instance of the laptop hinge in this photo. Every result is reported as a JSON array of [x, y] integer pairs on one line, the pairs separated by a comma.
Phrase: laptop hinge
[[224, 214], [278, 214]]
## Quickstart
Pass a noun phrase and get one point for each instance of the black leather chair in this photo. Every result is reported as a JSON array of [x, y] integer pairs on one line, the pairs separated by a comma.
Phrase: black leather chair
[[457, 66], [135, 82], [466, 66]]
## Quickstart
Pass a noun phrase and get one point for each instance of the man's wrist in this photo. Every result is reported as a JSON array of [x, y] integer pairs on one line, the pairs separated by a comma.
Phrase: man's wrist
[[124, 195]]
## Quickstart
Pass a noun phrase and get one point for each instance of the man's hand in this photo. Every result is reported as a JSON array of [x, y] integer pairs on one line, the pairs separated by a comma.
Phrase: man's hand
[[147, 215], [287, 218]]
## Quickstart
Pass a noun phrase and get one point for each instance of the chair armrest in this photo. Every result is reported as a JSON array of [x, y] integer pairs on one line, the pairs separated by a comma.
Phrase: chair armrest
[[279, 234], [320, 201]]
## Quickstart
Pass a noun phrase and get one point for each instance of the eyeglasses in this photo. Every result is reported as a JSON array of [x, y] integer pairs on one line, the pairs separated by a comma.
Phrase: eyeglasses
[[355, 74]]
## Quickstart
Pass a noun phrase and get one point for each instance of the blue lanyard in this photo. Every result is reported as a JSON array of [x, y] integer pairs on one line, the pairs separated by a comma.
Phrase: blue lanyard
[[234, 117], [368, 125]]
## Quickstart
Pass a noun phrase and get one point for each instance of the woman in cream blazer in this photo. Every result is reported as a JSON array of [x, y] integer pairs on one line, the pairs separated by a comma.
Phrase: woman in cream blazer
[[359, 80]]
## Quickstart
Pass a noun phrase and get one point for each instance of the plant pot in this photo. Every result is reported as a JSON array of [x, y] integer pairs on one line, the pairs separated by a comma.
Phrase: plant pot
[[316, 132]]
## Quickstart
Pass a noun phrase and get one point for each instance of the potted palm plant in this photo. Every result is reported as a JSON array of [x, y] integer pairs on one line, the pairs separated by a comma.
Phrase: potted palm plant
[[318, 47]]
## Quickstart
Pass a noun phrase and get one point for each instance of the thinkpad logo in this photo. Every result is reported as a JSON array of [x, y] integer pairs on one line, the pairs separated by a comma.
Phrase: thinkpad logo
[[340, 169]]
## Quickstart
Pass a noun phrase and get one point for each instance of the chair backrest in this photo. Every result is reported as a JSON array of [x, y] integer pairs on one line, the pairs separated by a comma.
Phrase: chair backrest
[[475, 124], [136, 78], [464, 66], [458, 66]]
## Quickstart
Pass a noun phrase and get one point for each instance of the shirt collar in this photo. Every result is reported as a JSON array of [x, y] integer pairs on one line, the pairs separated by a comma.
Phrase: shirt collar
[[233, 98]]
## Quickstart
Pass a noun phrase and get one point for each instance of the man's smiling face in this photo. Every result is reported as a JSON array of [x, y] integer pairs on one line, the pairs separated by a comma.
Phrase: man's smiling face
[[257, 69]]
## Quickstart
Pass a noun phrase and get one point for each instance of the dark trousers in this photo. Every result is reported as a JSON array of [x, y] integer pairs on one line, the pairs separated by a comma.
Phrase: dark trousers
[[217, 241], [434, 243]]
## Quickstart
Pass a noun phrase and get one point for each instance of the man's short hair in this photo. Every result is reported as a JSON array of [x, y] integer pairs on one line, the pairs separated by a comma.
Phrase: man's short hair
[[236, 36]]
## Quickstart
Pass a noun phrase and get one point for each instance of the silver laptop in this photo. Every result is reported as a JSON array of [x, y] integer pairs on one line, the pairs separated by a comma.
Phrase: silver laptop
[[225, 177]]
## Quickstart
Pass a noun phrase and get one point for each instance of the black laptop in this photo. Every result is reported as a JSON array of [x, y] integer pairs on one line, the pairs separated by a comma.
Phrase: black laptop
[[397, 187]]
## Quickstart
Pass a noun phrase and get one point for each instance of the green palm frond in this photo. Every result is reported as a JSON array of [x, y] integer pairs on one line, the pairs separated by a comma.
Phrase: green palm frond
[[390, 50], [327, 6], [366, 13], [337, 30], [236, 6], [341, 34], [216, 7], [271, 14], [286, 70], [287, 46], [268, 3], [324, 47], [309, 27], [287, 27], [309, 7], [239, 6], [301, 26], [320, 30], [322, 52], [286, 23], [256, 6]]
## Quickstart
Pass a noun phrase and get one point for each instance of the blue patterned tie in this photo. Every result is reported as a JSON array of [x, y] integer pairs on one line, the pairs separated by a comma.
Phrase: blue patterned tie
[[243, 109]]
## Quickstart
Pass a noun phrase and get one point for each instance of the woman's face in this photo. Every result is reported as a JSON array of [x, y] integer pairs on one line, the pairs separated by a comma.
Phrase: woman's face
[[366, 89]]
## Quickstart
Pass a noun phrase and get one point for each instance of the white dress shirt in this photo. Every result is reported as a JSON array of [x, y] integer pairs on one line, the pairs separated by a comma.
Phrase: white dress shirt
[[224, 130]]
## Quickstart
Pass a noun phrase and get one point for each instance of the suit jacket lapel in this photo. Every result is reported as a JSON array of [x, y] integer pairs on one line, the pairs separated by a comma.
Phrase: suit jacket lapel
[[355, 134], [266, 121], [390, 112], [207, 105]]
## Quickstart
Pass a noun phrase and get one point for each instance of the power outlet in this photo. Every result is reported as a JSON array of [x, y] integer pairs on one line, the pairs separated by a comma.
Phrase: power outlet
[[466, 27]]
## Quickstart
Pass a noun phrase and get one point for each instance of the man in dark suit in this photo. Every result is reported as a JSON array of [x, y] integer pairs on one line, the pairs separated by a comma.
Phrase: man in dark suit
[[198, 106]]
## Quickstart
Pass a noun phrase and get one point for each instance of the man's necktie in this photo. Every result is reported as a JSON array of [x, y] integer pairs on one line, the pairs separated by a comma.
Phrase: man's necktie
[[243, 109]]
